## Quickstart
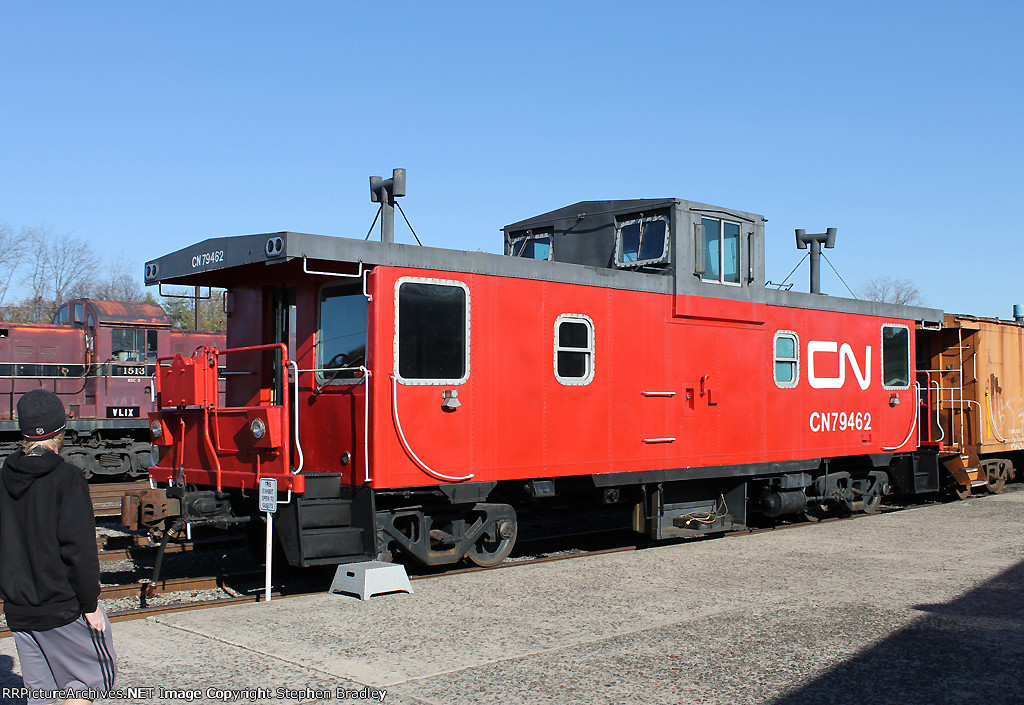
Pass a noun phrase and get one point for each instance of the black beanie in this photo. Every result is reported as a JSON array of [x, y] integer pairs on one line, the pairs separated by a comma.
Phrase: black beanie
[[40, 415]]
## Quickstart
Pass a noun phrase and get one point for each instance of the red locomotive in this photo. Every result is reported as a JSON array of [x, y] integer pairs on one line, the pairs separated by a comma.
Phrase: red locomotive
[[619, 354], [99, 357]]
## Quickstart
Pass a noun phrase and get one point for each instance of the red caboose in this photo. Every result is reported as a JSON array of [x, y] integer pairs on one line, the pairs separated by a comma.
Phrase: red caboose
[[622, 354]]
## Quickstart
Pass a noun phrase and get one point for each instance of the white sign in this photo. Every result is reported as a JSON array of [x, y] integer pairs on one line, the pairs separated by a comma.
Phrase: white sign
[[268, 494]]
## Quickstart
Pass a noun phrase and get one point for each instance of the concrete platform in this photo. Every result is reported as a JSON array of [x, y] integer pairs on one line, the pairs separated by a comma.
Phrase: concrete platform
[[920, 606]]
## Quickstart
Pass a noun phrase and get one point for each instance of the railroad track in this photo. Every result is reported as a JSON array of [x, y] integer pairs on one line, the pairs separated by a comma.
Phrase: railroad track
[[118, 548], [250, 583], [106, 497]]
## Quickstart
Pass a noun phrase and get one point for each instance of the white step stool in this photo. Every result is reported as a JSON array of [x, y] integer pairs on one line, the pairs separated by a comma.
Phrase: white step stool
[[370, 578]]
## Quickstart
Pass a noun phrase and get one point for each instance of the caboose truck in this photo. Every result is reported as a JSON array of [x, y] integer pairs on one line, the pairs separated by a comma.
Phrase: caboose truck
[[627, 353]]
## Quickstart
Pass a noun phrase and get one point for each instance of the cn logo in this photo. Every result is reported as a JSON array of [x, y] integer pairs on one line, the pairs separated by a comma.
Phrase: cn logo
[[846, 358]]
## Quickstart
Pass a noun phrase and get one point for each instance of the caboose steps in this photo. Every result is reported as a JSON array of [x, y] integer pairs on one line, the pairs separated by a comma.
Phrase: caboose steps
[[317, 527]]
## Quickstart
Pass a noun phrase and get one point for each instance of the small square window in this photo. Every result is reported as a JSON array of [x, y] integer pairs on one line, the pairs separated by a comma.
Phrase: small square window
[[574, 349], [786, 354]]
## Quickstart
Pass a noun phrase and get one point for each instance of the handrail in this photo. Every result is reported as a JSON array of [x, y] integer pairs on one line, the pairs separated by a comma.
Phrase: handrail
[[991, 421], [209, 442], [298, 444], [366, 424], [938, 394], [405, 444], [913, 419]]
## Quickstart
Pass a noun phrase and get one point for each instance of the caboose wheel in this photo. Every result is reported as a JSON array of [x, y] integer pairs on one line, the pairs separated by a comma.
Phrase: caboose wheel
[[492, 548], [385, 548], [872, 499], [961, 491], [996, 474]]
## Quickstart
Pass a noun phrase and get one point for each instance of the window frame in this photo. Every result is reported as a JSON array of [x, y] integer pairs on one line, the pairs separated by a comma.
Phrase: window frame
[[881, 354], [721, 251], [590, 350], [795, 359], [395, 346], [620, 224]]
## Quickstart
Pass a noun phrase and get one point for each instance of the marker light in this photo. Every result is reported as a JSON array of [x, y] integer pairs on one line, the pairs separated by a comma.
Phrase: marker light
[[155, 428]]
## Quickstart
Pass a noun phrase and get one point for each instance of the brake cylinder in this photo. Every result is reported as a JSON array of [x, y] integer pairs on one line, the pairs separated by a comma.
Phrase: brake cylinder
[[776, 503]]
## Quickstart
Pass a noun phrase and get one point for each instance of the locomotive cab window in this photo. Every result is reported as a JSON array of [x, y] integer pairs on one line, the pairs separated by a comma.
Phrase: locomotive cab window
[[641, 241], [341, 338], [895, 357], [431, 331], [718, 251], [574, 349], [133, 345], [786, 354]]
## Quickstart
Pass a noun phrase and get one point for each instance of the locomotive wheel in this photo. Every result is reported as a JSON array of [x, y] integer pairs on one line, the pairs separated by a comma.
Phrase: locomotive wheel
[[488, 552]]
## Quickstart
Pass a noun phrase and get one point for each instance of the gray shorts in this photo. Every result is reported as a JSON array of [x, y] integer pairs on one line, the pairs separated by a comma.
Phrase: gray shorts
[[75, 657]]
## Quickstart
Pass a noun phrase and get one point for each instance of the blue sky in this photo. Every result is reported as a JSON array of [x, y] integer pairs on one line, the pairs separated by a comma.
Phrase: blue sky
[[147, 126]]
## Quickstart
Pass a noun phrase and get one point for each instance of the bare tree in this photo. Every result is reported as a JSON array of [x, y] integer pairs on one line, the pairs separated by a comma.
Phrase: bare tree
[[53, 268], [70, 267], [120, 285], [892, 291], [10, 256]]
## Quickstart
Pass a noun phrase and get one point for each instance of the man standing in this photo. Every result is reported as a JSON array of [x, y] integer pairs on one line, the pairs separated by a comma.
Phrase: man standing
[[49, 570]]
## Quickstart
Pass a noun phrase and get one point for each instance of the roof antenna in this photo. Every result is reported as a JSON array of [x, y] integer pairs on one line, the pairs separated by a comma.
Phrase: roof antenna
[[384, 192], [828, 239]]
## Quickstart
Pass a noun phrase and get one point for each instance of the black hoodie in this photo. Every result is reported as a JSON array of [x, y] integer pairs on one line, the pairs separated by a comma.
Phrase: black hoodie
[[49, 570]]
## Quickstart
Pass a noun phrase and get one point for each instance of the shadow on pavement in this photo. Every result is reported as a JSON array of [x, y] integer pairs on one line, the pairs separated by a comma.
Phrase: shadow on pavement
[[967, 651]]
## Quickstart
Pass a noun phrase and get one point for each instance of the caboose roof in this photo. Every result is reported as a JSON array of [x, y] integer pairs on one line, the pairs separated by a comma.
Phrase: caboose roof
[[592, 208], [583, 252]]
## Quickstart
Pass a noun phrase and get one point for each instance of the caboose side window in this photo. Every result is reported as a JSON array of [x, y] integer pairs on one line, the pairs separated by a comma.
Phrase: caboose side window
[[720, 249], [895, 357], [432, 331], [574, 349], [787, 359], [341, 340], [532, 247], [641, 241]]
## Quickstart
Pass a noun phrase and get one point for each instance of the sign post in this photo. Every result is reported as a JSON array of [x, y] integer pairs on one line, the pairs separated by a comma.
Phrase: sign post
[[268, 504]]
